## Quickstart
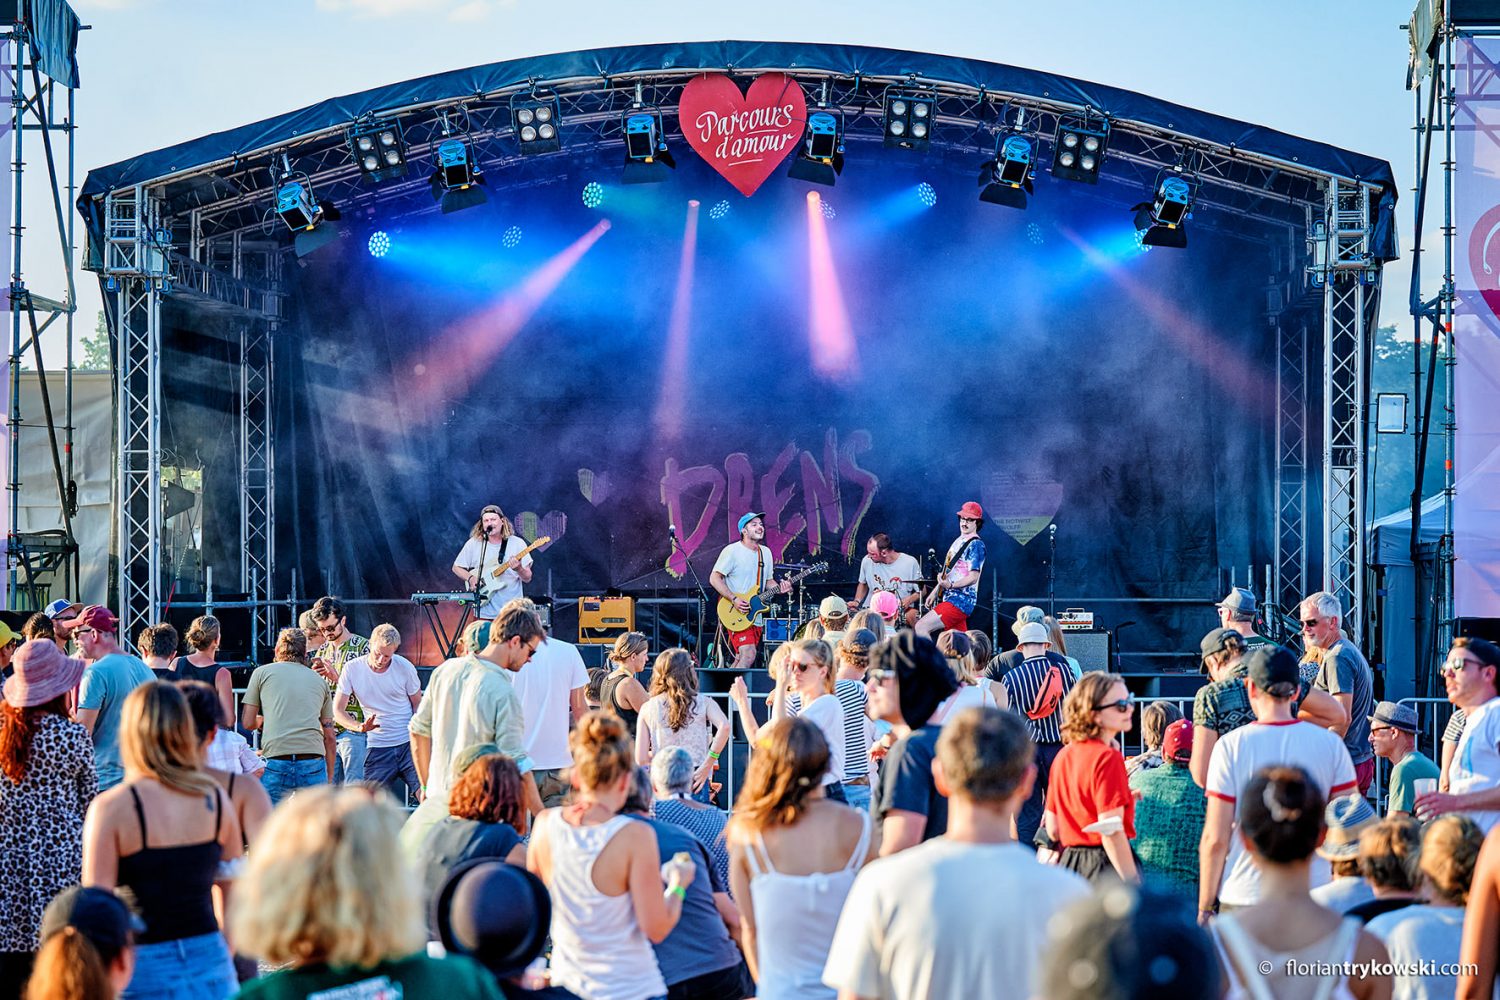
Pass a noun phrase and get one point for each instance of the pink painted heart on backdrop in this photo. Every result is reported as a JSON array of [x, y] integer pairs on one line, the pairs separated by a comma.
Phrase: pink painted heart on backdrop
[[743, 136], [1021, 503], [1484, 246]]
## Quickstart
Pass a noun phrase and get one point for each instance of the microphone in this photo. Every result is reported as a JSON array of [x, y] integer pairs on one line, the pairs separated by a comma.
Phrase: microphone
[[672, 530], [1052, 528]]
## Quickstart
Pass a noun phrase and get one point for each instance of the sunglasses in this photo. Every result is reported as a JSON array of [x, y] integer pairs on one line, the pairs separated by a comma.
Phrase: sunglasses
[[801, 667], [1123, 705], [879, 676], [1310, 622], [1381, 729], [1446, 670]]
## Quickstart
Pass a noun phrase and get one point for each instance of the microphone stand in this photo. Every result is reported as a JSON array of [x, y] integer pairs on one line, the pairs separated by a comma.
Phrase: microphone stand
[[702, 594], [1052, 571]]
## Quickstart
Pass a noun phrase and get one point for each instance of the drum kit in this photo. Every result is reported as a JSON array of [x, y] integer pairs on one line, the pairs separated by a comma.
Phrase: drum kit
[[801, 614]]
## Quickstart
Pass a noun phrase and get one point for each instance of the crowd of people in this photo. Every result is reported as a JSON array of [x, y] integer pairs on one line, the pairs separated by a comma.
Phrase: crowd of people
[[919, 818]]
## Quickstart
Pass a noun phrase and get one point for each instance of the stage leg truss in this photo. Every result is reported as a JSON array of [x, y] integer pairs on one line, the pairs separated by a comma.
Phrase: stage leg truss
[[141, 270]]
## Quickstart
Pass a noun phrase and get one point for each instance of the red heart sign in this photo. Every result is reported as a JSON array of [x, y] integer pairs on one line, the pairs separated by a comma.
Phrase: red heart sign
[[1484, 241], [743, 136]]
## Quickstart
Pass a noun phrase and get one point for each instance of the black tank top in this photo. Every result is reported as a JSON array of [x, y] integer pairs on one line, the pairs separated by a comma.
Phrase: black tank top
[[608, 700], [187, 672], [171, 887]]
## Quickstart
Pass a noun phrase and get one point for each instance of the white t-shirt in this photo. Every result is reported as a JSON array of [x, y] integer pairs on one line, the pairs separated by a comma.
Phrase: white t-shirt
[[508, 586], [387, 694], [969, 696], [1476, 762], [828, 714], [544, 684], [1235, 760], [894, 577], [948, 921], [739, 566]]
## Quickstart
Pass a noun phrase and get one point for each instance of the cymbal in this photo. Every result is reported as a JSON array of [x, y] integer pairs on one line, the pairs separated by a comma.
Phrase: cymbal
[[914, 582]]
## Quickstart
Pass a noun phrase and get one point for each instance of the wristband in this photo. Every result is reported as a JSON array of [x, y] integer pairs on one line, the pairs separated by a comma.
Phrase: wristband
[[677, 891], [714, 754]]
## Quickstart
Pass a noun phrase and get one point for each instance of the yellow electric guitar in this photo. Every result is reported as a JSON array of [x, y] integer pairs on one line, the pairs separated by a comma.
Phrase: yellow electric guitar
[[515, 560], [736, 620]]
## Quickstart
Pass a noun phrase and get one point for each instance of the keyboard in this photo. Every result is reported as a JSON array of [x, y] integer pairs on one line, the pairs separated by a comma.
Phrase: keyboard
[[444, 597]]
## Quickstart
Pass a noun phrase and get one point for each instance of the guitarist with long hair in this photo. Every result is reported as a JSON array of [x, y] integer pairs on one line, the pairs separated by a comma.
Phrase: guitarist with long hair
[[493, 543], [745, 567], [958, 584]]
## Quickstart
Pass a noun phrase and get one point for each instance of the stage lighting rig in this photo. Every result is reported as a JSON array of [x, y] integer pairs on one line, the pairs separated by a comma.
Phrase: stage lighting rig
[[909, 115], [312, 223], [1006, 180], [1161, 220], [379, 148], [455, 182], [1078, 149], [647, 158], [820, 159], [536, 118]]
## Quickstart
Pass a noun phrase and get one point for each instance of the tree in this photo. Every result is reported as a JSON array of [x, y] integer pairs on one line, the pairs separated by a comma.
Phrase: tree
[[96, 348]]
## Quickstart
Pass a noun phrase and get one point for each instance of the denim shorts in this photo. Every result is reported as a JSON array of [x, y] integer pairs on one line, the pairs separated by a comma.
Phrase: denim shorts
[[195, 968], [283, 777]]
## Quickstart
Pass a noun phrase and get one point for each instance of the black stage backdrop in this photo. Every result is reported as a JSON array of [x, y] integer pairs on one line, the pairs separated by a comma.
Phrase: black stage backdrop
[[1038, 362]]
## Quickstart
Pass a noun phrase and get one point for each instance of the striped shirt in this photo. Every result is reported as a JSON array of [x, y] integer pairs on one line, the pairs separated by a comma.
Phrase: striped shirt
[[859, 731], [704, 822], [1024, 683]]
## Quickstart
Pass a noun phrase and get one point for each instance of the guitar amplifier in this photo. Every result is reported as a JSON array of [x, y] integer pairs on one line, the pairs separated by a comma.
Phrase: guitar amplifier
[[1075, 620], [602, 620], [1091, 649]]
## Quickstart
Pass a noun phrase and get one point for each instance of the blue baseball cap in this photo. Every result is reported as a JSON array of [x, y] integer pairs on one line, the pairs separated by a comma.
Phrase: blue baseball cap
[[748, 518], [60, 607]]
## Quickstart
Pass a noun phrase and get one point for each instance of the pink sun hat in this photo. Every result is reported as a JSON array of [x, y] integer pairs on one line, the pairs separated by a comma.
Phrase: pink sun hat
[[41, 673]]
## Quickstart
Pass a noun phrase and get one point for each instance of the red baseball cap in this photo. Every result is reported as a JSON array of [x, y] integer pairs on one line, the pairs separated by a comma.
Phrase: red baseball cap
[[1177, 742], [97, 617], [971, 509]]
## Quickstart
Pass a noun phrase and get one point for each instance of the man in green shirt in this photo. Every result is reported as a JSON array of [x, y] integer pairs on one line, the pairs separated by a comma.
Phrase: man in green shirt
[[1169, 814], [339, 646], [1393, 735], [292, 707]]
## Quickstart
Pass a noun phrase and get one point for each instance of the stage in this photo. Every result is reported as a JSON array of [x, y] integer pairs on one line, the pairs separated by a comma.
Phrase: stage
[[608, 360]]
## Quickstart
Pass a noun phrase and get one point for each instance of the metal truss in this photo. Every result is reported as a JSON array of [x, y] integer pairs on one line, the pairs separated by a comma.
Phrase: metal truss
[[1289, 572], [257, 481], [138, 486], [1345, 278]]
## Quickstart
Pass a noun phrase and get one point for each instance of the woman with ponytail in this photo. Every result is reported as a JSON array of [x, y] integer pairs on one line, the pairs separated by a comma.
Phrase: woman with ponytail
[[159, 839], [793, 854], [608, 902], [1265, 947], [46, 782], [88, 947]]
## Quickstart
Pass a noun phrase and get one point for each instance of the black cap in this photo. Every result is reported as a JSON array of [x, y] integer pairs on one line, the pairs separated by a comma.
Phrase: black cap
[[98, 915], [494, 912], [1217, 641], [1274, 670]]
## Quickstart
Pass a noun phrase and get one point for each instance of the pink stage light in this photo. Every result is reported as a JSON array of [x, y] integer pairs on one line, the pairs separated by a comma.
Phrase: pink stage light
[[830, 337], [465, 350], [670, 401]]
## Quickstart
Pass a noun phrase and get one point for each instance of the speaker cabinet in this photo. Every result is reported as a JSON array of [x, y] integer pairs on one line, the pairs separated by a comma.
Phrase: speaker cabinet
[[1092, 649]]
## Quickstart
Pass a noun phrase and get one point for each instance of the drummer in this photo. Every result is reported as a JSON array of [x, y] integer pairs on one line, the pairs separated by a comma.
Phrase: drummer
[[885, 569]]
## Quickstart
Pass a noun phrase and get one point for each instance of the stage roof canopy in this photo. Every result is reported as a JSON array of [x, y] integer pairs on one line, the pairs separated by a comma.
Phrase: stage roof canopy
[[224, 178]]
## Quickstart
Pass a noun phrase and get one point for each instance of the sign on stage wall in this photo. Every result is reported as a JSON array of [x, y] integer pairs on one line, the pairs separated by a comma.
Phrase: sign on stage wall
[[1476, 331], [743, 136]]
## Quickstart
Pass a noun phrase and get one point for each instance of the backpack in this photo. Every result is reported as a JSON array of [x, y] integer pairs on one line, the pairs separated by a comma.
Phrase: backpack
[[1049, 694]]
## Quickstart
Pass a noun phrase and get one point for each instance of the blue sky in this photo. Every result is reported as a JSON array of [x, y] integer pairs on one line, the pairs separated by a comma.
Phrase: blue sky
[[155, 72]]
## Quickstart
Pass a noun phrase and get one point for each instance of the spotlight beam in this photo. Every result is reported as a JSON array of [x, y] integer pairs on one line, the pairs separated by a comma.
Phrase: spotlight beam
[[830, 337], [670, 401]]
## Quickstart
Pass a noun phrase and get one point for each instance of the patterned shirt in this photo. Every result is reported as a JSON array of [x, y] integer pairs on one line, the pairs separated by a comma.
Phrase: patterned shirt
[[1023, 684], [705, 823], [965, 556], [1169, 824], [1224, 705], [336, 656]]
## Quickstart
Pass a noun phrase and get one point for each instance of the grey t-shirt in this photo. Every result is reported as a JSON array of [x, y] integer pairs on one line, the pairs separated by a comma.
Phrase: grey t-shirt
[[105, 684], [1344, 671], [1427, 934]]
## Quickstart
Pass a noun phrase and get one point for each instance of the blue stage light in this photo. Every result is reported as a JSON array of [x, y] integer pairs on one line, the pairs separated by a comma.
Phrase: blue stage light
[[828, 212], [1160, 222], [297, 206], [380, 243], [927, 194], [1006, 180], [511, 238], [821, 156], [1034, 234], [593, 194], [1140, 241], [719, 210]]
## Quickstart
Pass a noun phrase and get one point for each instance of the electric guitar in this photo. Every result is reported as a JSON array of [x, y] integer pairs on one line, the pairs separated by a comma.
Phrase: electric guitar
[[736, 620], [515, 560]]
